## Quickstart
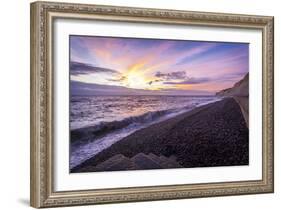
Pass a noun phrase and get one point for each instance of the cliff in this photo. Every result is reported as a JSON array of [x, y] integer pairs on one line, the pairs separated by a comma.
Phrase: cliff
[[240, 88]]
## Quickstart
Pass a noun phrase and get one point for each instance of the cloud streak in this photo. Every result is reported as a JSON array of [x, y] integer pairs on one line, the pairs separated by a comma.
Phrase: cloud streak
[[176, 75], [77, 68], [190, 81]]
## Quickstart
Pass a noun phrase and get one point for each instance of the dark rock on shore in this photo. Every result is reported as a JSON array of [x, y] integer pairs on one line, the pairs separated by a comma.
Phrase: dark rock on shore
[[212, 135]]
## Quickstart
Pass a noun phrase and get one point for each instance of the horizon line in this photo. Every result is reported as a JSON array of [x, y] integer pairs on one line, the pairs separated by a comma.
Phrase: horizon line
[[146, 95]]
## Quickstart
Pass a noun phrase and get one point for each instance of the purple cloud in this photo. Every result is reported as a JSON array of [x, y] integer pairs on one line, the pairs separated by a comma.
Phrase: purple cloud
[[77, 68], [176, 75]]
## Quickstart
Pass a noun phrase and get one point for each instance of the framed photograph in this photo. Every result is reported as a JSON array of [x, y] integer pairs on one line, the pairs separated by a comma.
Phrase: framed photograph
[[135, 104]]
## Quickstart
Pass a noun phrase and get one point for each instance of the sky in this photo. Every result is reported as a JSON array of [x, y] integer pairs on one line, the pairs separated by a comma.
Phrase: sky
[[155, 66]]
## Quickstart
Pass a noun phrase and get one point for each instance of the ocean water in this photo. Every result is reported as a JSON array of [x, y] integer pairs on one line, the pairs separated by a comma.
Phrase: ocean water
[[119, 116]]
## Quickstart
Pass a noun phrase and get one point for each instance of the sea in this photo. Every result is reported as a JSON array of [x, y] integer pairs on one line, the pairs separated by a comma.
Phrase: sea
[[119, 116]]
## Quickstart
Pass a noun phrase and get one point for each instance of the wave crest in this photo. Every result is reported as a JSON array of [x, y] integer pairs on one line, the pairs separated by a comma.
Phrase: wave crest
[[103, 128]]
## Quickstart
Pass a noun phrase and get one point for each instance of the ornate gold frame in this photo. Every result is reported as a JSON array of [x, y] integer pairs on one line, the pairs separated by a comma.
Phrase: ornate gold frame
[[42, 17]]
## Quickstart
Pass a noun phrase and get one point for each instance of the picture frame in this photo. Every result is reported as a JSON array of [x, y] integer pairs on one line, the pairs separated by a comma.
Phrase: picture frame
[[42, 178]]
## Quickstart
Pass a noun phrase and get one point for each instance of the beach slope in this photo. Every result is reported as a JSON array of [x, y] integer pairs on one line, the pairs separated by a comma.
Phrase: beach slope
[[215, 134]]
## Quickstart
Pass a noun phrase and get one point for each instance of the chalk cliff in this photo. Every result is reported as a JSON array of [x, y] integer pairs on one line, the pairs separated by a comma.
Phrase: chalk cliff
[[240, 88]]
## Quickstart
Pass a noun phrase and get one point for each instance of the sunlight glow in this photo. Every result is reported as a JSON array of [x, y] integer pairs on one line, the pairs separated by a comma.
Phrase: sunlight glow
[[136, 80]]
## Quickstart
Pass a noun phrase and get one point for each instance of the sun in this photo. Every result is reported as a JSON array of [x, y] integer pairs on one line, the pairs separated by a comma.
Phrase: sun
[[135, 80]]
